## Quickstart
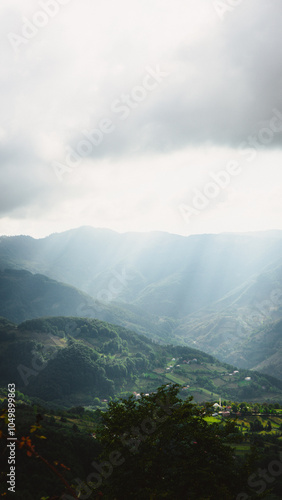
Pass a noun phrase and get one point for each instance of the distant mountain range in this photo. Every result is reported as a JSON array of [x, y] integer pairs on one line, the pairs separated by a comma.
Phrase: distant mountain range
[[25, 296], [217, 293], [166, 274]]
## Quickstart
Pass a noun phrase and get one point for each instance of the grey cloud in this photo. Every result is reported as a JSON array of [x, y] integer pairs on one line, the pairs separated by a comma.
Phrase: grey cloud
[[220, 90], [26, 182]]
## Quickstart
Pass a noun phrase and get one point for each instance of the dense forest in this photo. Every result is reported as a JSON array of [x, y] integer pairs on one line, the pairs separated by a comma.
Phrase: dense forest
[[79, 361]]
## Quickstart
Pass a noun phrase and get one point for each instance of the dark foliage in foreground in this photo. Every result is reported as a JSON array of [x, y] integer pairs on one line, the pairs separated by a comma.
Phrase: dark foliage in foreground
[[164, 448]]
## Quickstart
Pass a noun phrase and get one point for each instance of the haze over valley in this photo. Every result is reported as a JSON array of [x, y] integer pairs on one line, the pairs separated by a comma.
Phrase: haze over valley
[[218, 293]]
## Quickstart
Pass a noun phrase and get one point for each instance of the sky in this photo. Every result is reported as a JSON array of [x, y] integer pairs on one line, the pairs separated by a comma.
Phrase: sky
[[140, 115]]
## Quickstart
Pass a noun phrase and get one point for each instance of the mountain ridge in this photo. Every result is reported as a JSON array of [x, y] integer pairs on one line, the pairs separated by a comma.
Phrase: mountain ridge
[[206, 291]]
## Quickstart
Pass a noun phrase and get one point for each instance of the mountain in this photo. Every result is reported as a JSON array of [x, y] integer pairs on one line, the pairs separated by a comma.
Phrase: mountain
[[223, 328], [262, 350], [25, 296], [69, 361], [210, 292], [163, 274]]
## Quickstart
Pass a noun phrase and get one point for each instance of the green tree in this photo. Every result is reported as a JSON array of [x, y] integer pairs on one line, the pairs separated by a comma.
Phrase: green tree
[[268, 427], [165, 449], [244, 408], [256, 426]]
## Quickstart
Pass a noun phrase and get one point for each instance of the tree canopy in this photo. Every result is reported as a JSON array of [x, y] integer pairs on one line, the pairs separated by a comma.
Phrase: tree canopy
[[164, 448]]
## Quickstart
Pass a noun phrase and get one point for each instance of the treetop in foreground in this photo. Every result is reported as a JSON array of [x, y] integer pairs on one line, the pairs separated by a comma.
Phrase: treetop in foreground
[[165, 449]]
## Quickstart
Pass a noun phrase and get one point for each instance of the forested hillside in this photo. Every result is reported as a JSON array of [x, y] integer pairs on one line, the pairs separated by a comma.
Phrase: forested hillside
[[25, 296], [212, 292], [69, 361]]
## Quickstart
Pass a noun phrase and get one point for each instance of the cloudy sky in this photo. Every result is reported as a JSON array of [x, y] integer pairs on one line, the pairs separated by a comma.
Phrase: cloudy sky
[[140, 115]]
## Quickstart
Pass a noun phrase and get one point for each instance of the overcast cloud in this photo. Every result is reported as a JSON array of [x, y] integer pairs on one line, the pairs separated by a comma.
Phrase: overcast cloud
[[117, 114]]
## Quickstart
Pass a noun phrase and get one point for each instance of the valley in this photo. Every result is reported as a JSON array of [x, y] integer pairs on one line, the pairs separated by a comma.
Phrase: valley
[[139, 327], [71, 361], [216, 293]]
